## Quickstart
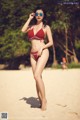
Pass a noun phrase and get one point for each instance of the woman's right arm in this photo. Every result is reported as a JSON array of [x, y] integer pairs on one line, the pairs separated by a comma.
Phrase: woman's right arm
[[26, 25]]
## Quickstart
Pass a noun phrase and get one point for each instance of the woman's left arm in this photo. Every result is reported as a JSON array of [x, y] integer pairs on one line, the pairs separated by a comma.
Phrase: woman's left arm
[[50, 39]]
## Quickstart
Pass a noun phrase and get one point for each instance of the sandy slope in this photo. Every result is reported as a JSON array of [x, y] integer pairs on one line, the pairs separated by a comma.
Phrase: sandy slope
[[18, 95]]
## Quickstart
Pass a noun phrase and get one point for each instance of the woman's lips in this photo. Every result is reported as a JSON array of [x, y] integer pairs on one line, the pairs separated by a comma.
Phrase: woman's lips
[[38, 18]]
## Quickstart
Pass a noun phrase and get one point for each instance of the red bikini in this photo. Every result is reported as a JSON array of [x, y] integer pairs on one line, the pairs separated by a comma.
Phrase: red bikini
[[35, 55], [38, 36]]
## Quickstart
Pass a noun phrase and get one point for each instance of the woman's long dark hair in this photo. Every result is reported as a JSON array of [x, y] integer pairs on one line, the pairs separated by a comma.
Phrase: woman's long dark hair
[[34, 21]]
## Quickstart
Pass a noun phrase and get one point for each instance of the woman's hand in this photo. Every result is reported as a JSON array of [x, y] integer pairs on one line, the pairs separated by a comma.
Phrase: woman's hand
[[31, 16], [40, 51]]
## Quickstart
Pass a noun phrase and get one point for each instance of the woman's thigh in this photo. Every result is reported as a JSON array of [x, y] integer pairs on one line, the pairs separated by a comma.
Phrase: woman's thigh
[[42, 60], [33, 63]]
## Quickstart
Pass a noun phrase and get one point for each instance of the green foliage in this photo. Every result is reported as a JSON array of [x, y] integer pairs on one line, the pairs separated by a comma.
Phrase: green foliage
[[73, 65], [77, 44], [13, 45], [14, 13], [62, 19], [58, 25], [70, 66]]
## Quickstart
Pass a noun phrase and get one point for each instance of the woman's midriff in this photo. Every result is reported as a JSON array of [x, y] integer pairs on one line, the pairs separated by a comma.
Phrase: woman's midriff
[[36, 45]]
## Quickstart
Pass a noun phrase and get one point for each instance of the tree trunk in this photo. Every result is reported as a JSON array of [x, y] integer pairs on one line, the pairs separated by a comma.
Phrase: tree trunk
[[75, 59], [54, 57], [66, 38]]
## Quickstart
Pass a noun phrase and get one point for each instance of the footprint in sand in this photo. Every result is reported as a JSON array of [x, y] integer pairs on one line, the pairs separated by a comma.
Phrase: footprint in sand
[[61, 105], [74, 113]]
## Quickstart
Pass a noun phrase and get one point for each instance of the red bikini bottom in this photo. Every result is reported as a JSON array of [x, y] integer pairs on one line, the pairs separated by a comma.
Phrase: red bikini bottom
[[35, 55]]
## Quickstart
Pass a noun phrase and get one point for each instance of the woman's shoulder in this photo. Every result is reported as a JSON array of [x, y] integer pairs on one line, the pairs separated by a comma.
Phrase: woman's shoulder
[[30, 27], [47, 26]]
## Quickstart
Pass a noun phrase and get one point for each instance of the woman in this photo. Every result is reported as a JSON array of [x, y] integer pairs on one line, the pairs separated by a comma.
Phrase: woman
[[39, 51]]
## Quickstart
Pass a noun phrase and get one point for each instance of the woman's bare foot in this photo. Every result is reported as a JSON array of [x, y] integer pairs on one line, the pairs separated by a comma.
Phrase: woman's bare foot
[[40, 99], [44, 105], [40, 102]]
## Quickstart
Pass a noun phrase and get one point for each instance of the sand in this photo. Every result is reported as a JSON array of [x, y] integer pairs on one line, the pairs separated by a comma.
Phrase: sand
[[19, 99]]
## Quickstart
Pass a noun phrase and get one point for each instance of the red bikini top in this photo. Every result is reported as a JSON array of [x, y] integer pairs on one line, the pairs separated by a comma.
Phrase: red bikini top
[[39, 35]]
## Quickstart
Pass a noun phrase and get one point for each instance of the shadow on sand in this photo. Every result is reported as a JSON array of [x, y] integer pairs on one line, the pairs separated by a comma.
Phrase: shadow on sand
[[34, 102]]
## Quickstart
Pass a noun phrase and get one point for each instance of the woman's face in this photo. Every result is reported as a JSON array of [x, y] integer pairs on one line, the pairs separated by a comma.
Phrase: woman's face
[[39, 15]]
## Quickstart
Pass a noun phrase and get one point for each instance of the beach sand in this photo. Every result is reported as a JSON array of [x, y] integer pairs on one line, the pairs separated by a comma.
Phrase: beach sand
[[19, 99]]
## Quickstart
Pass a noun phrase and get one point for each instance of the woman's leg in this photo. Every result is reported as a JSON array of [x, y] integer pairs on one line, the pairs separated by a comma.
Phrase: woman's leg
[[33, 64], [37, 75]]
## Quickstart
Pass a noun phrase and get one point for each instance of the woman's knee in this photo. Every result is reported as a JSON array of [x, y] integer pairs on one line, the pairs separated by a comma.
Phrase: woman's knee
[[37, 76]]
